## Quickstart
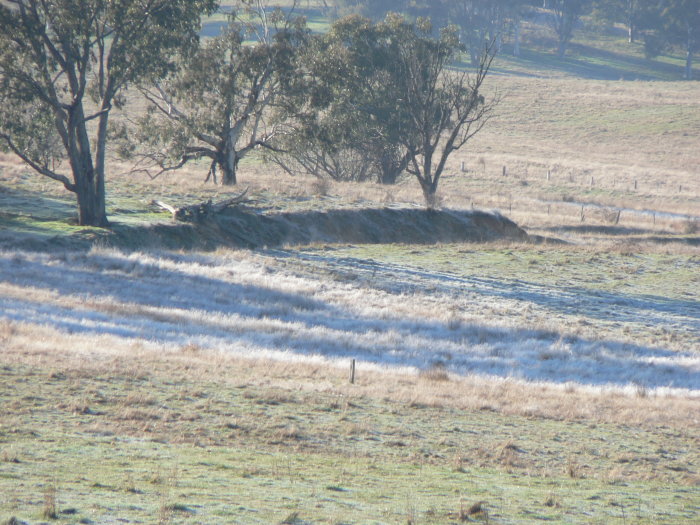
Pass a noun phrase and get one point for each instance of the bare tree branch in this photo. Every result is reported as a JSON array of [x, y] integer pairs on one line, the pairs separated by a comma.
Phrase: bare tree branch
[[35, 165]]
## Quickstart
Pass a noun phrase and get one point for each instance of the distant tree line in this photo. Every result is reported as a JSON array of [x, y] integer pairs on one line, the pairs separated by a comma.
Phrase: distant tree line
[[660, 24]]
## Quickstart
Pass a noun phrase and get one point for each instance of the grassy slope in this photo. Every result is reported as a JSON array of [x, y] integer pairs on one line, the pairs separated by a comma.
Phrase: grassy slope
[[188, 438], [168, 440]]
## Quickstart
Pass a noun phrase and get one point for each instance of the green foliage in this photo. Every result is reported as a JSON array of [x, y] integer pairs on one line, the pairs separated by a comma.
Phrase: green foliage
[[662, 24], [386, 102], [483, 21], [63, 65], [680, 25], [566, 15], [372, 9], [350, 128], [229, 96]]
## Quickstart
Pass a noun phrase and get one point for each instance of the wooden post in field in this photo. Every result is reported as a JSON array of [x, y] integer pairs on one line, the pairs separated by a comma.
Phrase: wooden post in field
[[635, 184], [680, 188], [505, 171], [352, 372], [464, 167], [549, 175], [548, 208], [591, 181], [617, 218], [583, 215]]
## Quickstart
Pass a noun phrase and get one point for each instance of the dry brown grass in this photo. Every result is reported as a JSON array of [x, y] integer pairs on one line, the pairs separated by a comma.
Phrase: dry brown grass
[[91, 355]]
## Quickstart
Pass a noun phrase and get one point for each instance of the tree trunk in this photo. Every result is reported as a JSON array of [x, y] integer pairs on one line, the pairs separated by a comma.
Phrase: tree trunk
[[689, 55], [473, 52], [388, 175], [91, 199], [89, 183], [561, 49], [390, 168], [229, 166], [631, 26], [430, 195]]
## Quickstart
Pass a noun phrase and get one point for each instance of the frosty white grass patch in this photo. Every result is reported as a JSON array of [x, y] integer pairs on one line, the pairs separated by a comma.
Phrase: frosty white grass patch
[[253, 306]]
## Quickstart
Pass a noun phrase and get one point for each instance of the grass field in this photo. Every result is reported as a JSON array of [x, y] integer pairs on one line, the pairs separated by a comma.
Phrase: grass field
[[500, 384], [152, 374], [192, 437]]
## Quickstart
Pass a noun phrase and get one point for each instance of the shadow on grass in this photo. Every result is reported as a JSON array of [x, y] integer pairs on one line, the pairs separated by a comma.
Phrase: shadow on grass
[[632, 234], [176, 300], [588, 62], [31, 220], [35, 204]]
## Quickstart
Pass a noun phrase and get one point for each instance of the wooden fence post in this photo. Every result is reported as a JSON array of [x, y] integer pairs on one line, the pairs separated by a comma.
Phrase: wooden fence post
[[352, 372]]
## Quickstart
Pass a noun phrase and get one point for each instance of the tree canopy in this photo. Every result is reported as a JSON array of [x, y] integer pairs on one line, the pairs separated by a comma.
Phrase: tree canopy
[[64, 65], [388, 101], [228, 97]]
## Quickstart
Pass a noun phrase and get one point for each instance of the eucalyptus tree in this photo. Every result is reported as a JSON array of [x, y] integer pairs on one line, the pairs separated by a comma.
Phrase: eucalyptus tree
[[680, 25], [566, 15], [388, 94], [632, 13], [373, 9], [64, 65], [227, 98], [349, 130], [483, 21], [441, 108]]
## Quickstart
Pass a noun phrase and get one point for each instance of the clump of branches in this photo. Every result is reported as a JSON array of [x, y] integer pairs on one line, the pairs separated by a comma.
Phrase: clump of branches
[[226, 99], [385, 101]]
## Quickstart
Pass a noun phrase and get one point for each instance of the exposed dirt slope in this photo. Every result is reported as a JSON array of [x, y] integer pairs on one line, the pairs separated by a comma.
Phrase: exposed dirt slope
[[248, 229]]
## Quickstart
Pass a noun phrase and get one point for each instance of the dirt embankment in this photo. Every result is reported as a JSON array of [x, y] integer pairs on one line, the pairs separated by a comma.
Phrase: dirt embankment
[[251, 228], [248, 229]]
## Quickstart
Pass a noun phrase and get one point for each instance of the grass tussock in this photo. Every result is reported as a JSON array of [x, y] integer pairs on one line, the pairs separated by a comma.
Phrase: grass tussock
[[49, 509]]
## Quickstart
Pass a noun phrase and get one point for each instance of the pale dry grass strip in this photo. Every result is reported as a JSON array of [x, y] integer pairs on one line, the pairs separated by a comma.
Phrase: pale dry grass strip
[[47, 348]]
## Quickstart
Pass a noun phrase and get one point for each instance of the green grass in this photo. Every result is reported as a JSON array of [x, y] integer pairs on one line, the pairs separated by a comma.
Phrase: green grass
[[175, 449], [673, 276]]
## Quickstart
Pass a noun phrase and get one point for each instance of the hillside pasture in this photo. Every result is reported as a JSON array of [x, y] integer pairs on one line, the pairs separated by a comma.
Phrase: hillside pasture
[[157, 373], [214, 387]]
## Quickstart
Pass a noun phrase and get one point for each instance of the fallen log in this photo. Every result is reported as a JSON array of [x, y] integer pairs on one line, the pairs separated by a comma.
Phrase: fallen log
[[202, 210]]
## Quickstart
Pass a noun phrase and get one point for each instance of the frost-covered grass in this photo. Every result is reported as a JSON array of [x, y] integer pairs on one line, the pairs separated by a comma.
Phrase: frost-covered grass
[[553, 383], [294, 305], [550, 383], [132, 431]]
